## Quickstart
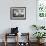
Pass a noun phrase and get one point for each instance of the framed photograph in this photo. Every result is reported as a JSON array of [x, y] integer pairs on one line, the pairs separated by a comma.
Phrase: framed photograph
[[18, 13]]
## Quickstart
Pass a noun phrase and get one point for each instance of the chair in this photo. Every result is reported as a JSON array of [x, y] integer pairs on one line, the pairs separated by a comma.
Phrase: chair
[[7, 35], [14, 32], [26, 41]]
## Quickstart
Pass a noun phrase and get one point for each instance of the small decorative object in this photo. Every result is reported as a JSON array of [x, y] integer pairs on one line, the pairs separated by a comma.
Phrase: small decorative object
[[22, 44], [18, 13]]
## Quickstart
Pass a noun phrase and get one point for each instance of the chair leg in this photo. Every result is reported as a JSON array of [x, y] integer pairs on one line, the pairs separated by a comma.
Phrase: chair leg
[[5, 39], [5, 43]]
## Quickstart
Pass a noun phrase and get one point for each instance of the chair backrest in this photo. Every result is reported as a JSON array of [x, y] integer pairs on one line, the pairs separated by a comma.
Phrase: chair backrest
[[24, 37], [14, 30]]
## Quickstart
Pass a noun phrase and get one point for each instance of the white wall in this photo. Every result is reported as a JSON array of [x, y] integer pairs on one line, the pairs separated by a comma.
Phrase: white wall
[[24, 25]]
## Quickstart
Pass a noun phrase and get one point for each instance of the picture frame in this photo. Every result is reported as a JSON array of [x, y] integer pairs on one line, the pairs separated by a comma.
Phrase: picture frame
[[18, 13]]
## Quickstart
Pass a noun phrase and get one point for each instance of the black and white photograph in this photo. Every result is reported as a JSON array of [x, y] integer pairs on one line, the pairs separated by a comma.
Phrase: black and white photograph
[[18, 13]]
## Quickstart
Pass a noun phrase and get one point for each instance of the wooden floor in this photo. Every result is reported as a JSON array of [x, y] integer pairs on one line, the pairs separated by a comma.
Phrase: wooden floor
[[13, 44]]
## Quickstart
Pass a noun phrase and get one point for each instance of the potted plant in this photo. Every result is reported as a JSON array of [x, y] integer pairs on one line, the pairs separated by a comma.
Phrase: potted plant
[[39, 35]]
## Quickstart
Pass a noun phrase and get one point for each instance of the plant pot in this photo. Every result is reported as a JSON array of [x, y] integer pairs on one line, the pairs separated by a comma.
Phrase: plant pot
[[40, 41]]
